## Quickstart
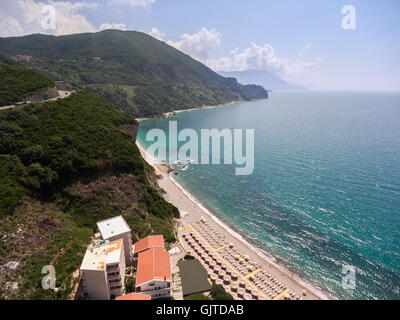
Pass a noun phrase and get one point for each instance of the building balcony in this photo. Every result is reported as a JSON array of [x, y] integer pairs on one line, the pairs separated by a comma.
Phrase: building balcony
[[116, 287], [113, 268], [112, 276], [155, 290], [114, 282]]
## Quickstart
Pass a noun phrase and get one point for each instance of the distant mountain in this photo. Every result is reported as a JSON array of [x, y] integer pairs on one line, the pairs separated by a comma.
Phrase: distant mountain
[[18, 83], [140, 74], [268, 80]]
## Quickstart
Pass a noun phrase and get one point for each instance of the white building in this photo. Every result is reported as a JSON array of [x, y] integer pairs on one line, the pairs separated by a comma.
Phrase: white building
[[117, 228], [103, 270]]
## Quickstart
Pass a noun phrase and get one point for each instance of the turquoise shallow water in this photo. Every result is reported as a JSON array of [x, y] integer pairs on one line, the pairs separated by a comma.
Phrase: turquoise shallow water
[[325, 191]]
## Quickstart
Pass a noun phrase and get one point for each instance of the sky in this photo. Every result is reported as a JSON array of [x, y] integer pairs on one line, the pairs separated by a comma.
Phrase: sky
[[302, 41]]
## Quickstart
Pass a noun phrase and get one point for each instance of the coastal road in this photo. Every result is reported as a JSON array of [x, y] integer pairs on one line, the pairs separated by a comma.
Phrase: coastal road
[[61, 95]]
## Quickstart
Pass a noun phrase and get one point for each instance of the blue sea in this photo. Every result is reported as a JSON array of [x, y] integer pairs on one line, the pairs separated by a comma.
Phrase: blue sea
[[325, 191]]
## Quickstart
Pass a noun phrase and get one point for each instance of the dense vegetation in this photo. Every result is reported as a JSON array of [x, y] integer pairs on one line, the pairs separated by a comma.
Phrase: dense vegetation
[[196, 296], [139, 74], [18, 83], [63, 166], [218, 293]]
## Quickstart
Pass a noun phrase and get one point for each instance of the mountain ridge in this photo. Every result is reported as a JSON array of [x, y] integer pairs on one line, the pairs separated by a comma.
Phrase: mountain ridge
[[268, 80], [140, 74], [18, 83]]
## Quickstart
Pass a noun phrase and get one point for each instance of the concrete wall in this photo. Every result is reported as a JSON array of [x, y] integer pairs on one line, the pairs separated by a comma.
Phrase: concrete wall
[[156, 288], [96, 284], [127, 238]]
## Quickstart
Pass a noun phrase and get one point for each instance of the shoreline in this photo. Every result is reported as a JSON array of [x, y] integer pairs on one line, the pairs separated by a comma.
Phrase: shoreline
[[191, 109], [168, 183]]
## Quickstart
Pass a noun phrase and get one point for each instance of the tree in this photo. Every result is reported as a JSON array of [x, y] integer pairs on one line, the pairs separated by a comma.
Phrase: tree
[[130, 285], [218, 293]]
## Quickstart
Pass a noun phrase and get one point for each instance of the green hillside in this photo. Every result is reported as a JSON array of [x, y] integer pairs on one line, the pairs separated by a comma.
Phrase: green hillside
[[18, 83], [63, 166], [141, 75]]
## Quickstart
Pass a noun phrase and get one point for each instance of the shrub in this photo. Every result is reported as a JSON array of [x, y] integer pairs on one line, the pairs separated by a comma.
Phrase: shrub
[[218, 293]]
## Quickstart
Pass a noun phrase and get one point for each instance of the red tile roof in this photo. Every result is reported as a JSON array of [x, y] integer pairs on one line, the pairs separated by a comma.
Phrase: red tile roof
[[153, 264], [149, 242], [134, 296]]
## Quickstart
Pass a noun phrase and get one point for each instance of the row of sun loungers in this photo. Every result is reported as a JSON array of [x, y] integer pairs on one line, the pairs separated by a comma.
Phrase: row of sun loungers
[[241, 277]]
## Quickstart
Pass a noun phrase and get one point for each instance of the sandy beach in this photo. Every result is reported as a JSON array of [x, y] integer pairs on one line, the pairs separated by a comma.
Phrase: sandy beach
[[192, 211], [192, 109]]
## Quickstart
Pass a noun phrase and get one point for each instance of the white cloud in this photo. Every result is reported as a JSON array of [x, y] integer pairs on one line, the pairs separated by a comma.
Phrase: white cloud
[[132, 3], [265, 58], [198, 45], [22, 17], [255, 58], [306, 48], [155, 33], [117, 26]]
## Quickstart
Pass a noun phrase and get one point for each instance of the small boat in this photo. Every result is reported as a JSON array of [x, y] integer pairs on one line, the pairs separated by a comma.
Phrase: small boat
[[184, 168]]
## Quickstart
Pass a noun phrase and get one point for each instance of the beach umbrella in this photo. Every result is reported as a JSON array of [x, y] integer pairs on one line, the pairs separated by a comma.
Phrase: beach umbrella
[[247, 258], [227, 279], [214, 277], [231, 245], [247, 296], [240, 292], [222, 274]]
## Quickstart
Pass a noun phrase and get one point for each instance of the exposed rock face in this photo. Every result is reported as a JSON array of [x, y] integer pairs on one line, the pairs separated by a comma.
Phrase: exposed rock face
[[50, 94], [10, 266]]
